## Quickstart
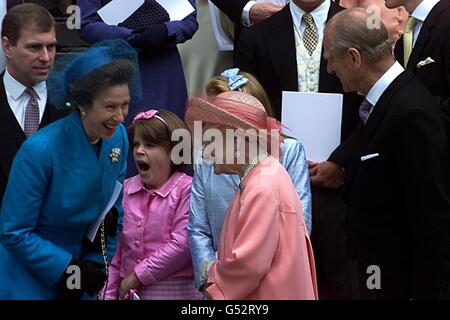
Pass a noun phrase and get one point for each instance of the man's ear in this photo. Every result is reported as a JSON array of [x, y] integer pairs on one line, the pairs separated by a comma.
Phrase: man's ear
[[6, 44], [354, 56]]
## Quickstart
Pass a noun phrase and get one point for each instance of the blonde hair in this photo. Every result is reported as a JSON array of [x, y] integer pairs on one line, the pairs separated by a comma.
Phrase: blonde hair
[[218, 85]]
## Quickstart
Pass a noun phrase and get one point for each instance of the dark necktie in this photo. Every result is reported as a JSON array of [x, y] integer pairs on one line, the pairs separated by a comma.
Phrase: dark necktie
[[31, 113], [364, 110]]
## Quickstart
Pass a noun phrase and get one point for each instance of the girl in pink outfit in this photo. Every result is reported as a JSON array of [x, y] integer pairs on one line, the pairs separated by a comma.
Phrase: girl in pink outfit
[[153, 257]]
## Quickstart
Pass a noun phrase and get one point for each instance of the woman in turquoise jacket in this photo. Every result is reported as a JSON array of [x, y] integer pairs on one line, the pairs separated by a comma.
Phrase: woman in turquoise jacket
[[62, 180]]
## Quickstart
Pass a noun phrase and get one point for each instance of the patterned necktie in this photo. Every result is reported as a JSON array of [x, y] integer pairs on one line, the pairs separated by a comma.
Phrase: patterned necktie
[[364, 110], [31, 113], [310, 35], [408, 39]]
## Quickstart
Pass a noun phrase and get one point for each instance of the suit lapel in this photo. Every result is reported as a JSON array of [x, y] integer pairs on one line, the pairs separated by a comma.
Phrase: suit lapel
[[281, 46], [424, 34], [10, 131], [376, 117]]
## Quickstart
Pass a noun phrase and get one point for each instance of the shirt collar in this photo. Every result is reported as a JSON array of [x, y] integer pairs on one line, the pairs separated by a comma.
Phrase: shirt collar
[[136, 184], [381, 85], [16, 89], [423, 9], [319, 14]]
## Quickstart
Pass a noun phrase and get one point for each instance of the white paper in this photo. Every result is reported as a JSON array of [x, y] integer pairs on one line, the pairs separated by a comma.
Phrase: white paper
[[315, 120], [117, 11], [224, 43], [177, 10], [94, 227]]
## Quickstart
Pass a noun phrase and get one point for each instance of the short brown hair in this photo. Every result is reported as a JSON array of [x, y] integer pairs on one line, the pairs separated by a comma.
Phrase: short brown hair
[[27, 15], [156, 132]]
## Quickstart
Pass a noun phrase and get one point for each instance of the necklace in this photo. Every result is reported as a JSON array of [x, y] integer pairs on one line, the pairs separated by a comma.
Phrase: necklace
[[95, 141], [260, 157]]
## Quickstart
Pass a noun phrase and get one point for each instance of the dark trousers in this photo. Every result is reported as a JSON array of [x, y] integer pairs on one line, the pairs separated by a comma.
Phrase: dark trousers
[[330, 245]]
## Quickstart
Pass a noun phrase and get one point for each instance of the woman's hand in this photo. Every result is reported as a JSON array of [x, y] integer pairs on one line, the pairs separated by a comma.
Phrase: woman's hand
[[130, 282], [205, 293]]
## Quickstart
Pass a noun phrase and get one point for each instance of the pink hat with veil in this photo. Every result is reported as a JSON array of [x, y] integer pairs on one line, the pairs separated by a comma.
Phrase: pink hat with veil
[[232, 109]]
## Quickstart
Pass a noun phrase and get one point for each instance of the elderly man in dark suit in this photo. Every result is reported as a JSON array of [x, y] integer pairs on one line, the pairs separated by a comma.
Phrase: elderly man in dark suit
[[397, 188], [277, 53], [28, 39], [424, 49]]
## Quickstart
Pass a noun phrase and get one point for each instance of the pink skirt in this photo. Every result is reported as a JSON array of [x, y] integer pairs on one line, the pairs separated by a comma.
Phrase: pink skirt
[[181, 288]]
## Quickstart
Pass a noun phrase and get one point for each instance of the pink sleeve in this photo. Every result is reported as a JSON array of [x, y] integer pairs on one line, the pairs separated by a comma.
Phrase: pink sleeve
[[174, 254], [255, 241], [113, 284]]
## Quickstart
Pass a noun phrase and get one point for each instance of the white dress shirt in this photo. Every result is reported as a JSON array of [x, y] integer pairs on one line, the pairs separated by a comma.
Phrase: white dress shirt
[[319, 15], [18, 98], [421, 13], [381, 85], [245, 17]]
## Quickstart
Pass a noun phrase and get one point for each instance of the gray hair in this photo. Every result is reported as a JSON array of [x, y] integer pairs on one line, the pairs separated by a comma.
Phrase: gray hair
[[351, 30]]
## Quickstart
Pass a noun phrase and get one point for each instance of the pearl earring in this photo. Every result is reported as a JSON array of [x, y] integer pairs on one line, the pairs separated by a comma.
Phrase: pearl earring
[[237, 154]]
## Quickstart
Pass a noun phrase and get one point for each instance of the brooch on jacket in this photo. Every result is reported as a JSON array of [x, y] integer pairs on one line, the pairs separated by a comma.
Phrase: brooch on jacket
[[114, 155]]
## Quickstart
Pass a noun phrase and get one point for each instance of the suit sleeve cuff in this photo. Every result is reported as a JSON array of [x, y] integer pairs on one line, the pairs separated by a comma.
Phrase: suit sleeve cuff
[[245, 17]]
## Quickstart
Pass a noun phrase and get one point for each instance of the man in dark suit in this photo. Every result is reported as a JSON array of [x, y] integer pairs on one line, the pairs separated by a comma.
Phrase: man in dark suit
[[397, 188], [273, 51], [429, 58], [28, 40]]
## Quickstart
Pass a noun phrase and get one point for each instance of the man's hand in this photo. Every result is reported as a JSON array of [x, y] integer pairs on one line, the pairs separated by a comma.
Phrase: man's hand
[[261, 11], [130, 282], [326, 174]]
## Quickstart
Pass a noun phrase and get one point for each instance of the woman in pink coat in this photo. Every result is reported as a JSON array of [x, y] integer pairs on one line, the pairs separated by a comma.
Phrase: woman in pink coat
[[264, 248]]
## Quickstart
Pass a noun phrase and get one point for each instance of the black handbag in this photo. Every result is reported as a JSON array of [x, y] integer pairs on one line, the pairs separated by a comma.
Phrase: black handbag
[[149, 13]]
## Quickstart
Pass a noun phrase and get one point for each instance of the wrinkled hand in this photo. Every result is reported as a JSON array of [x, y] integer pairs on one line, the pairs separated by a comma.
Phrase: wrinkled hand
[[205, 293], [326, 174], [127, 284], [261, 11], [150, 39]]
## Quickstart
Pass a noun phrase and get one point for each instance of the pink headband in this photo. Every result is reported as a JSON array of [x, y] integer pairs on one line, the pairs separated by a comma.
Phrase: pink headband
[[147, 115]]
